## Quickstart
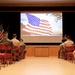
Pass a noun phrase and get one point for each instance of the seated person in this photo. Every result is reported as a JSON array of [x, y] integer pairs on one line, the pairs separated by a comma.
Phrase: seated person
[[15, 40], [68, 43], [23, 45], [15, 43], [61, 48], [5, 39], [64, 38], [74, 54]]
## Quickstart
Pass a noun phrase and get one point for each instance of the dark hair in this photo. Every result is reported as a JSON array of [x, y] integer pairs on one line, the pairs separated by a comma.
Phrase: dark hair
[[21, 39], [5, 32], [63, 40], [14, 35], [68, 37]]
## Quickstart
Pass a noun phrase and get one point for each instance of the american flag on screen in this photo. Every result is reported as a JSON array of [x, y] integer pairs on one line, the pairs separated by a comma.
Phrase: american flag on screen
[[1, 31], [37, 26]]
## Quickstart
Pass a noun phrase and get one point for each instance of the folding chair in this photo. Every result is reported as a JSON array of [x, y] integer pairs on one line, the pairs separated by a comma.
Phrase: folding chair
[[9, 58], [16, 53], [2, 54], [69, 52]]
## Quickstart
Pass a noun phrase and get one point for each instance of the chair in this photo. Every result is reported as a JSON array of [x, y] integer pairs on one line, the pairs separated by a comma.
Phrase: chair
[[22, 52], [5, 54], [16, 53], [8, 54], [2, 54], [69, 52], [62, 52]]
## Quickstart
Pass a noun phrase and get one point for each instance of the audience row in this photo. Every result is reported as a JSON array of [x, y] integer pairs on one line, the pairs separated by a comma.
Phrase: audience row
[[14, 42], [67, 49]]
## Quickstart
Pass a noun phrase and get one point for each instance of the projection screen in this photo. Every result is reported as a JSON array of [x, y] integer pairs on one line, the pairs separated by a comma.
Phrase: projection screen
[[41, 27]]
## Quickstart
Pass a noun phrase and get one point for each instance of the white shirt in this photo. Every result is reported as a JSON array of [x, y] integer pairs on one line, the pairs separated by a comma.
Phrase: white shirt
[[68, 43], [61, 44], [15, 42]]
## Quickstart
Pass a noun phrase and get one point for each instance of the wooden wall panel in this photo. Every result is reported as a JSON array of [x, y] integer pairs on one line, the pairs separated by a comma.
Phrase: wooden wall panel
[[42, 50], [38, 51], [30, 51], [45, 51], [53, 50]]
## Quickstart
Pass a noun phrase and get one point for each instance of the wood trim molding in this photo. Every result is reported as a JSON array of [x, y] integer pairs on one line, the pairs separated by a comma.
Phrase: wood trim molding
[[37, 4]]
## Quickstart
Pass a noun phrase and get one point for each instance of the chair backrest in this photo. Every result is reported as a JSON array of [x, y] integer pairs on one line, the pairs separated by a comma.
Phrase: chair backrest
[[8, 48], [70, 48], [16, 49], [2, 48], [21, 48]]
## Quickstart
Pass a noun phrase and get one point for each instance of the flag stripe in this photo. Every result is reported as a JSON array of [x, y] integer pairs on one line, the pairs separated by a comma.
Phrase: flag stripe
[[36, 26], [1, 31], [41, 31], [35, 32]]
